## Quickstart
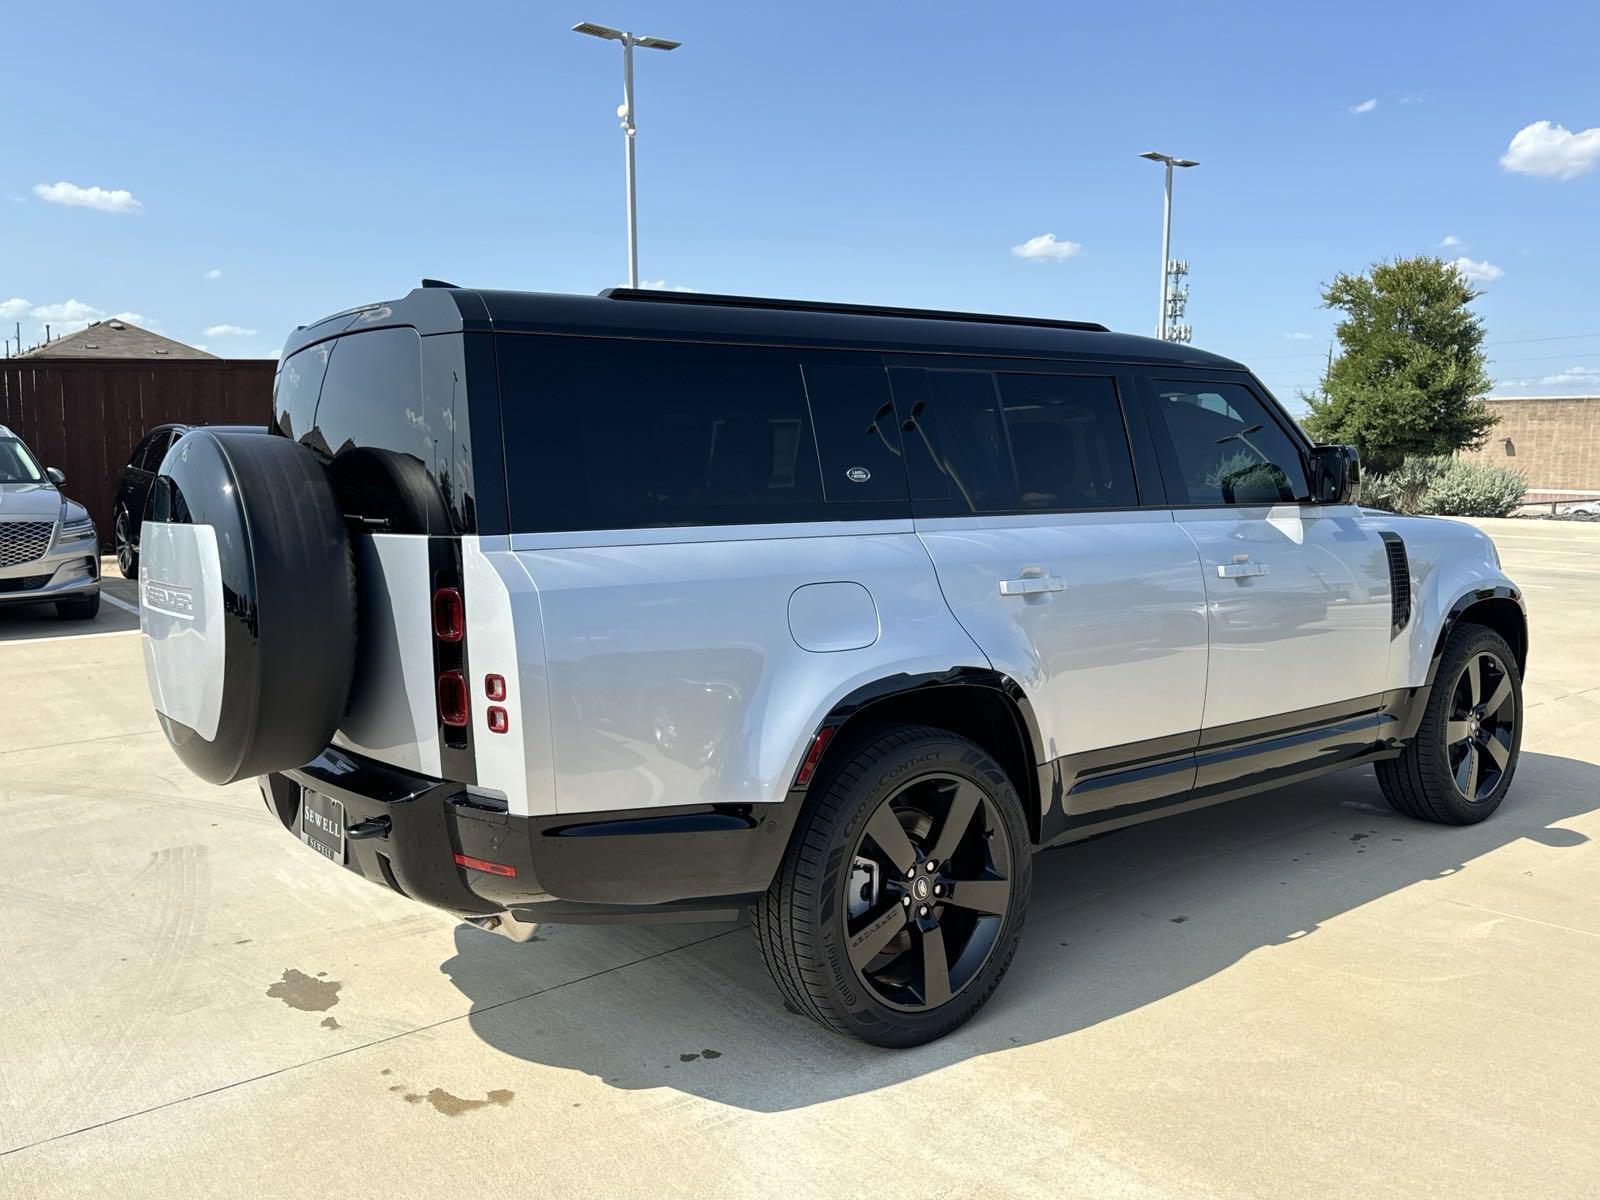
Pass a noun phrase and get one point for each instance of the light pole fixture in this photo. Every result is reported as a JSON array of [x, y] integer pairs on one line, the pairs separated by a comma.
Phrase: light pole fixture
[[1166, 230], [625, 111]]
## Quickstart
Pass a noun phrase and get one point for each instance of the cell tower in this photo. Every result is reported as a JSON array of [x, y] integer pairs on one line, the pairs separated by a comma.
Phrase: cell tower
[[1177, 301]]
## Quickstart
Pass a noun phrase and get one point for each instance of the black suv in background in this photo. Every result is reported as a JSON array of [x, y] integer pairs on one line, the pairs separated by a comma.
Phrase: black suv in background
[[133, 487]]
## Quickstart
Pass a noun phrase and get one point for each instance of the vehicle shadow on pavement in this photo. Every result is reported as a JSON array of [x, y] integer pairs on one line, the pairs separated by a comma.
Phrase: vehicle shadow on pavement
[[36, 622], [1115, 924]]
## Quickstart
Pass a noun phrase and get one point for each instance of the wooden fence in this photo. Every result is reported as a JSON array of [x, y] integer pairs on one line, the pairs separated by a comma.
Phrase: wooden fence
[[86, 415]]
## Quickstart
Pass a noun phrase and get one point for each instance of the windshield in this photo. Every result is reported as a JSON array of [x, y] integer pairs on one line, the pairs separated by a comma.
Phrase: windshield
[[16, 464]]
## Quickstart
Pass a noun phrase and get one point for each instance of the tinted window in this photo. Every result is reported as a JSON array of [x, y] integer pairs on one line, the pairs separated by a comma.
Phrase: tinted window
[[372, 397], [1068, 442], [858, 437], [611, 434], [1012, 442], [1225, 447], [295, 391]]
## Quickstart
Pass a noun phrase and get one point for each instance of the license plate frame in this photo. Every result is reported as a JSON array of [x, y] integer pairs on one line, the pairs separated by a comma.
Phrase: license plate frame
[[322, 825]]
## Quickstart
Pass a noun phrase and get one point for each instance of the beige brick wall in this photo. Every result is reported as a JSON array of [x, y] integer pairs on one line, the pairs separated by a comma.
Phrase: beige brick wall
[[1554, 441]]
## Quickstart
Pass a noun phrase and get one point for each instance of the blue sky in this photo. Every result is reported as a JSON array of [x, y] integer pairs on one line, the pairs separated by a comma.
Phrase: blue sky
[[283, 161]]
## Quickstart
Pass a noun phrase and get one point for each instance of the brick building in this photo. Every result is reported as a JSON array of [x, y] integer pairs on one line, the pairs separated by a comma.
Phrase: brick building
[[1553, 440]]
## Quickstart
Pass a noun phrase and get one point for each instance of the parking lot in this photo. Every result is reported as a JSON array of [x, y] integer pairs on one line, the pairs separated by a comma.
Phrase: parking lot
[[1300, 993]]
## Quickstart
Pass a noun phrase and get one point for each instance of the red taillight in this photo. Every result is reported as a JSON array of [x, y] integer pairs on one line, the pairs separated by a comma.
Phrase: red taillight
[[484, 865], [494, 687], [814, 755], [453, 708], [449, 619], [499, 721]]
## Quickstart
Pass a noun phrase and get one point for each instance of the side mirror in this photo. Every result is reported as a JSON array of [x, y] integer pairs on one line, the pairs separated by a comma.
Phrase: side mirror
[[55, 475], [1335, 475]]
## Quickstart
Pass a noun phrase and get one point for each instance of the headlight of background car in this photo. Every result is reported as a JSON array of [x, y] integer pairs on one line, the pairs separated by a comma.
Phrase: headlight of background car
[[77, 531]]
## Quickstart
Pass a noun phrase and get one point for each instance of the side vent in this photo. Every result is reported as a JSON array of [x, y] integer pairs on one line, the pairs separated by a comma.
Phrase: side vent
[[1399, 582]]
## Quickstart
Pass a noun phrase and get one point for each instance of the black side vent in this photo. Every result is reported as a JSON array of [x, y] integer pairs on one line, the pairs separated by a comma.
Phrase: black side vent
[[1399, 581]]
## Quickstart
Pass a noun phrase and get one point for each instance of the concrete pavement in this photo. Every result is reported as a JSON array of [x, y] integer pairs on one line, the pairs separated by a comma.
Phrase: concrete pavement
[[1298, 994]]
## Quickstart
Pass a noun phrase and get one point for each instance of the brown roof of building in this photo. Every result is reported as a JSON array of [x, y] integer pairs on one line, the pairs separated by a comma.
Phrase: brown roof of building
[[114, 339]]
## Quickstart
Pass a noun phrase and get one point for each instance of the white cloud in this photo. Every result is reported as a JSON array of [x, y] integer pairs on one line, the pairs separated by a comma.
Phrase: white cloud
[[1451, 242], [1365, 106], [1552, 151], [1045, 248], [214, 273], [1297, 336], [133, 318], [114, 200], [68, 312], [1574, 378], [1477, 270], [229, 331], [14, 309], [661, 285]]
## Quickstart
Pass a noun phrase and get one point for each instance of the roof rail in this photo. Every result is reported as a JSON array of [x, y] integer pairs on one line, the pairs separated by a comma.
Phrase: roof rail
[[822, 306]]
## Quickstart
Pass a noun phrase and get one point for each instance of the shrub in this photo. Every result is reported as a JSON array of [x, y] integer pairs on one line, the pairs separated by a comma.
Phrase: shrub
[[1445, 486], [1468, 489]]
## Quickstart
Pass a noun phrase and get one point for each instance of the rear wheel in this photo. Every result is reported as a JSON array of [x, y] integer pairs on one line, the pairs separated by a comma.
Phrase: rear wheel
[[79, 608], [1459, 766], [127, 556], [901, 900]]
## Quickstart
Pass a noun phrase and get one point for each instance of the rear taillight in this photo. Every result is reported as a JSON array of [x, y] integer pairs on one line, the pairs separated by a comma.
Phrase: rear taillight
[[449, 620], [499, 719], [453, 708]]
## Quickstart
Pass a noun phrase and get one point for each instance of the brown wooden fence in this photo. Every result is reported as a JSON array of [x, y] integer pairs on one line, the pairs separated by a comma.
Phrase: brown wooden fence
[[86, 415]]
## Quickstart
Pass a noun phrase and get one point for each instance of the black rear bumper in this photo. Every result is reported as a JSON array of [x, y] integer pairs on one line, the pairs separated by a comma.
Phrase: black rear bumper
[[687, 863]]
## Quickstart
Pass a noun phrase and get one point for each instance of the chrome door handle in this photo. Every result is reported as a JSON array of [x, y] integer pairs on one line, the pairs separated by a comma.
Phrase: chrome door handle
[[1241, 569], [1031, 586]]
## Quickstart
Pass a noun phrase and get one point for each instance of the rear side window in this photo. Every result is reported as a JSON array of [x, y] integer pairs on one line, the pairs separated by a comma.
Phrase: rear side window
[[1222, 446], [1010, 442], [619, 434], [294, 394], [372, 397]]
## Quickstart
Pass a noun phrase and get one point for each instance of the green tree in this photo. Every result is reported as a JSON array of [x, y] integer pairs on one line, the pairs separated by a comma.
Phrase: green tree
[[1410, 370]]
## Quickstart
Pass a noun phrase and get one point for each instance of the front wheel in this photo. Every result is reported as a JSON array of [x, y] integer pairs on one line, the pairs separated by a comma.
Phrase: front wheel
[[1458, 767], [901, 898]]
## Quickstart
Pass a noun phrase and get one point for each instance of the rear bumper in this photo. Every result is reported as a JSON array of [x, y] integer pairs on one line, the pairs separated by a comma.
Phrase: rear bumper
[[54, 577], [689, 863]]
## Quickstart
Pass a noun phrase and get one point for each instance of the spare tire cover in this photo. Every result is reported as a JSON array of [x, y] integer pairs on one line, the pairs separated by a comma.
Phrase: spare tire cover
[[247, 604]]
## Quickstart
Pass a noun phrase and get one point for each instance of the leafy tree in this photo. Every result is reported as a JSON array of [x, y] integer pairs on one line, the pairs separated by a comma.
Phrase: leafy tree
[[1410, 368]]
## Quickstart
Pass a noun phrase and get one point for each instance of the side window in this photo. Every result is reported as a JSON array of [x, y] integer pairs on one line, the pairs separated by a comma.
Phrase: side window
[[1013, 442], [145, 456], [1068, 441], [372, 397], [619, 434], [858, 437], [295, 391], [1224, 447]]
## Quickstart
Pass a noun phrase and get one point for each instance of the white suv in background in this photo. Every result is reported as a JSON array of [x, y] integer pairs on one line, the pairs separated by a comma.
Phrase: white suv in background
[[663, 606], [48, 546]]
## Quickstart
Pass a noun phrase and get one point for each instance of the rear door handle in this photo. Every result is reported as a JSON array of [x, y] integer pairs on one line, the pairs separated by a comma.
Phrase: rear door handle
[[1241, 568], [1031, 586]]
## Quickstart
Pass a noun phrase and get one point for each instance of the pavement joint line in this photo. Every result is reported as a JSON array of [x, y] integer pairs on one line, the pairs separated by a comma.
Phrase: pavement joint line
[[1519, 917], [64, 637], [311, 1062], [110, 737], [122, 604]]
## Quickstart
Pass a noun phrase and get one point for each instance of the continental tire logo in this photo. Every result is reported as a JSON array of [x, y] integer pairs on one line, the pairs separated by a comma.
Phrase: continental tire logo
[[170, 599]]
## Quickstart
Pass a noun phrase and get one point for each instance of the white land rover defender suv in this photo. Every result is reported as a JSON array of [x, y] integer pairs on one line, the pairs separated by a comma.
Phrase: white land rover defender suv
[[664, 606], [49, 550]]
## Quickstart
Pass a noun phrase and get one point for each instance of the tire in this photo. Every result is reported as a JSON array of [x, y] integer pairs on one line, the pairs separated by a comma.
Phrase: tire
[[79, 608], [122, 536], [248, 604], [909, 779], [1465, 719]]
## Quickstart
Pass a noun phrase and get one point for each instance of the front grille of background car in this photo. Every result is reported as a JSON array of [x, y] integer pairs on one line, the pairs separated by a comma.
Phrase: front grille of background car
[[23, 541], [1399, 581], [27, 583]]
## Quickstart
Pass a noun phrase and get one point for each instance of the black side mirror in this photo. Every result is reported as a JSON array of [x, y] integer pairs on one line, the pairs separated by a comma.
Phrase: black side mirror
[[55, 475], [1335, 475]]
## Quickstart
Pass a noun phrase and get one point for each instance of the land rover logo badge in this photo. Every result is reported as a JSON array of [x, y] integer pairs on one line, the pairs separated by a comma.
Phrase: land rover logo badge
[[858, 474]]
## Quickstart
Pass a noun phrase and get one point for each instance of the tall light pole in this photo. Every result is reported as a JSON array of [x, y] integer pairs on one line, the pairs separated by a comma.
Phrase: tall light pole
[[1166, 230], [625, 111]]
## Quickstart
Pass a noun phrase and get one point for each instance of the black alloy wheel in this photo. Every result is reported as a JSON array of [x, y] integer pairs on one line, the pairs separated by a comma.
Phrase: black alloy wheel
[[127, 556], [944, 892], [1480, 733]]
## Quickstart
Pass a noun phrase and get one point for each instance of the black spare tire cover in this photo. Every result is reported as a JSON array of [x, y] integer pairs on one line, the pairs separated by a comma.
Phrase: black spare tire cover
[[247, 604]]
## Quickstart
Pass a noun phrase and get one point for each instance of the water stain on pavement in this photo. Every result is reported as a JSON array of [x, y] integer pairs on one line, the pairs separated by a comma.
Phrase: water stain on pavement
[[331, 1023], [453, 1106], [306, 992], [706, 1054]]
